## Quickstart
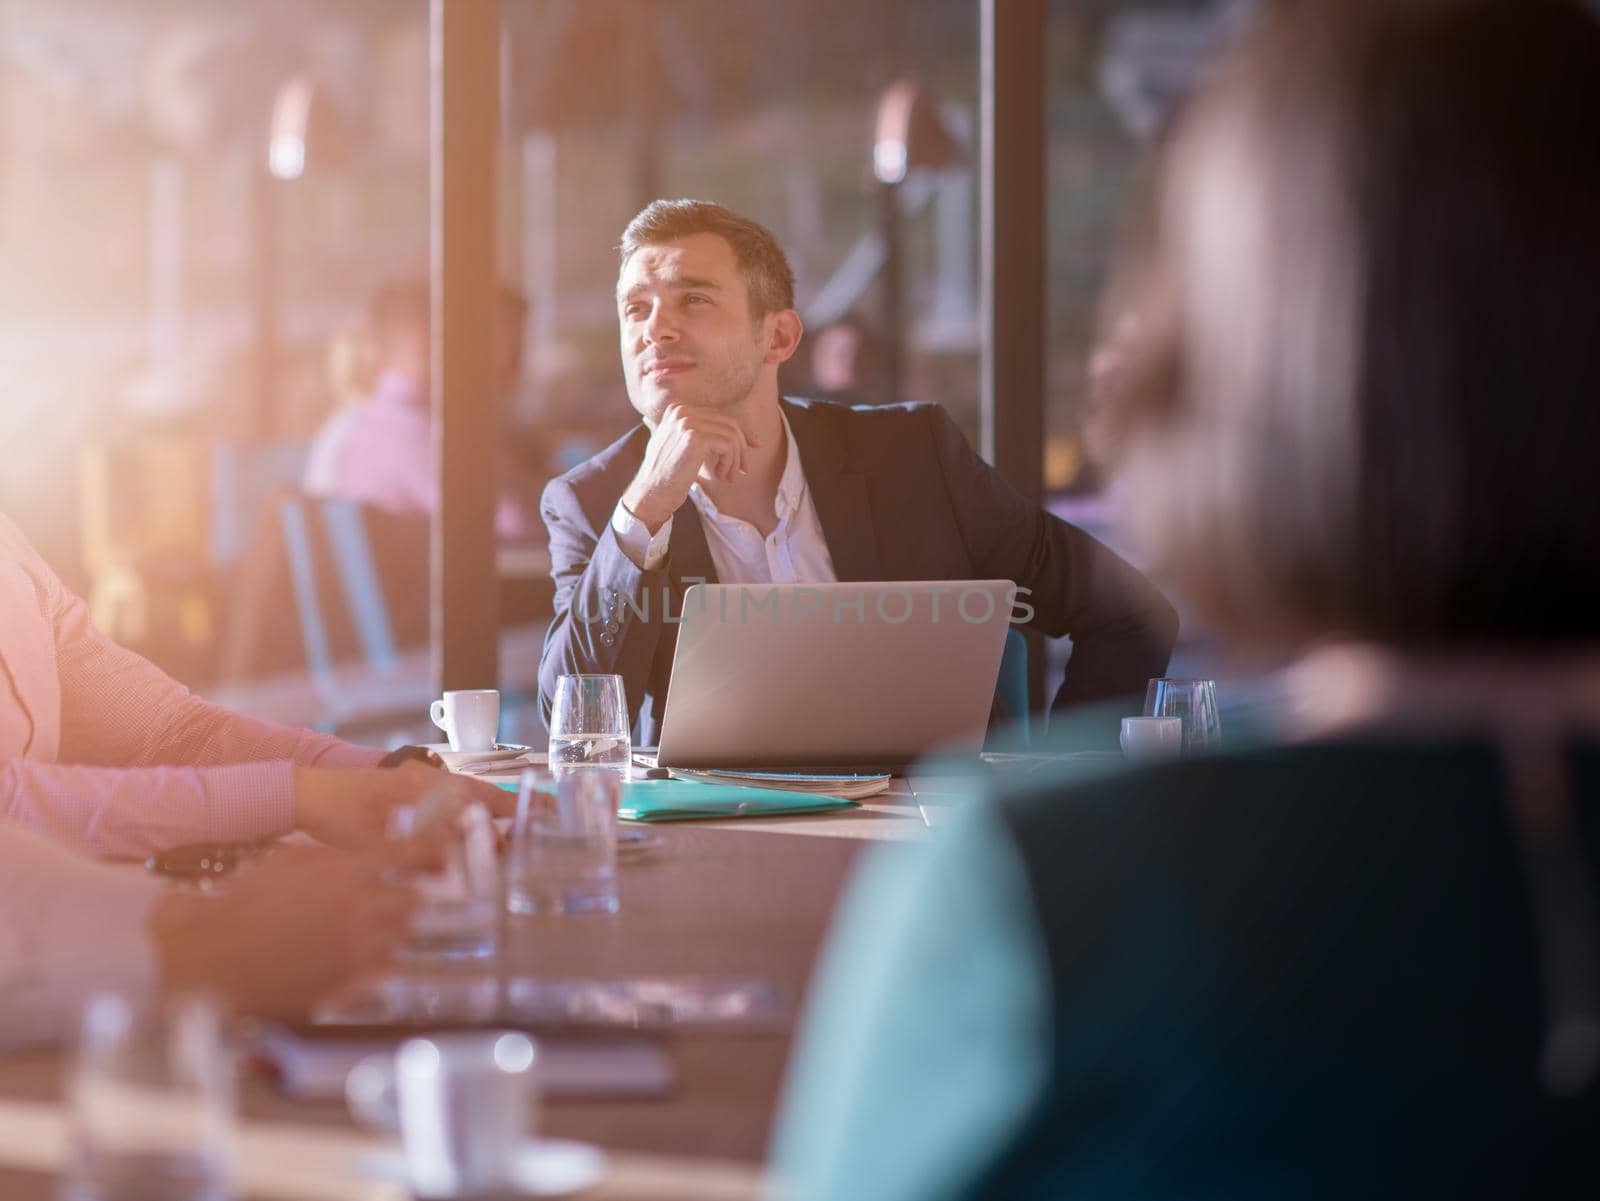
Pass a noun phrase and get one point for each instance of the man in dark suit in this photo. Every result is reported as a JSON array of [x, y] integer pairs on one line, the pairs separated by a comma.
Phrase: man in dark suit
[[724, 481]]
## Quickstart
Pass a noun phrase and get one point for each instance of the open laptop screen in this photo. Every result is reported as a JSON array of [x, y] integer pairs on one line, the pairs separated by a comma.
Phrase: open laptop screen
[[857, 675]]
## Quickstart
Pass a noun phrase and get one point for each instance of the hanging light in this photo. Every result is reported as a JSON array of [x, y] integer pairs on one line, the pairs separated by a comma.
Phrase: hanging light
[[305, 125], [910, 134]]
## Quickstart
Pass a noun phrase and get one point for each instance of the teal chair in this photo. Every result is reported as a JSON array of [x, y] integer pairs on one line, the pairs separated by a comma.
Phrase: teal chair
[[1011, 689]]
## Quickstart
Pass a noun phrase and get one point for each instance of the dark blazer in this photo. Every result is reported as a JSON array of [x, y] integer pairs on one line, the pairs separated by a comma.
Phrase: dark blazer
[[901, 496]]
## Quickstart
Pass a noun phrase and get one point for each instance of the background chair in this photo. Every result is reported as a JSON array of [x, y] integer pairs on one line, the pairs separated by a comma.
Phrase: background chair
[[1011, 694], [360, 581], [355, 580]]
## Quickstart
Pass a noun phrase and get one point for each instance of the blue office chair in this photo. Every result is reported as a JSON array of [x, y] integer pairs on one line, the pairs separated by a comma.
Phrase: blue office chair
[[327, 543], [1011, 690], [380, 563], [245, 477]]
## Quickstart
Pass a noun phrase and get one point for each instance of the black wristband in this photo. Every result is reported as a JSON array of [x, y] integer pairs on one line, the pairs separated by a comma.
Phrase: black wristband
[[405, 754]]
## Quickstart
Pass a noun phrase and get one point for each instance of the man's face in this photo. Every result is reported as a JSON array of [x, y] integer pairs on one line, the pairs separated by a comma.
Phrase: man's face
[[687, 335]]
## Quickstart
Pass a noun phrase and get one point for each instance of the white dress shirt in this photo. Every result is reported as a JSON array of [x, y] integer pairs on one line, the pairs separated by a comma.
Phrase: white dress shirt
[[794, 553]]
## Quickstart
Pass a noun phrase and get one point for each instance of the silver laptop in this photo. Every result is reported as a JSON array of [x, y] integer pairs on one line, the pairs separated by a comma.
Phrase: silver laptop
[[851, 677]]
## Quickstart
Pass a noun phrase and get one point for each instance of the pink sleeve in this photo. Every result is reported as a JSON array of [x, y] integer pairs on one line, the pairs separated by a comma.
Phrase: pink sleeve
[[119, 709], [126, 813], [142, 763], [387, 461], [68, 928]]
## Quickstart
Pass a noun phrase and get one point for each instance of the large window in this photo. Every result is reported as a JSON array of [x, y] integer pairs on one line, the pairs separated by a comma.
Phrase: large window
[[1117, 71], [173, 277]]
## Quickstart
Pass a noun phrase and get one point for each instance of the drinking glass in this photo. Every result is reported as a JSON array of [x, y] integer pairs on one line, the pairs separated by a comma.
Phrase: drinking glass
[[458, 905], [589, 724], [152, 1103], [1195, 702], [563, 856]]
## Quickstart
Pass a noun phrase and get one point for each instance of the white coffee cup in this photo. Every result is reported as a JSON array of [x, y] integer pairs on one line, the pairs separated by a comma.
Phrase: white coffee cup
[[1152, 738], [470, 718], [464, 1103]]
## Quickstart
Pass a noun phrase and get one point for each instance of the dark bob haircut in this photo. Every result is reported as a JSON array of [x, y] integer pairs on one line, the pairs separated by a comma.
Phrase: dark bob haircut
[[1364, 399], [768, 278]]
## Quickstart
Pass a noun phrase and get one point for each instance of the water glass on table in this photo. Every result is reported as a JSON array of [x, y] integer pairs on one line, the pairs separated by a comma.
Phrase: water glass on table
[[589, 724], [563, 856], [1194, 702], [152, 1104], [458, 902]]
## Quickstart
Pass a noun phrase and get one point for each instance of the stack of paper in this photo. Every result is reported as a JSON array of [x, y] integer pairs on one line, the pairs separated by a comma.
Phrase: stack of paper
[[501, 758]]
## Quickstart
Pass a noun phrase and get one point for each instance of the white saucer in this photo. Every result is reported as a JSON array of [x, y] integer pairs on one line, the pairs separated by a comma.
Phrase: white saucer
[[500, 750], [547, 1167]]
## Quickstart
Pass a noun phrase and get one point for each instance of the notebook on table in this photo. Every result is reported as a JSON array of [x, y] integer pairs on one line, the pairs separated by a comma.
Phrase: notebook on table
[[685, 800], [690, 800]]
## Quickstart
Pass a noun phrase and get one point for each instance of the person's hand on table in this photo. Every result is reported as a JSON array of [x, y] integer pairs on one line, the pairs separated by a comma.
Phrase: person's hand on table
[[285, 932], [351, 808]]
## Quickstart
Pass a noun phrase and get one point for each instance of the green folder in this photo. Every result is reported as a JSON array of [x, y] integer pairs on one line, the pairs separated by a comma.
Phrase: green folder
[[681, 800]]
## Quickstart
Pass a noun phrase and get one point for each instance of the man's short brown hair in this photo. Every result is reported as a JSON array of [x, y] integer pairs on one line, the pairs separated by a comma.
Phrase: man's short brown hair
[[768, 278]]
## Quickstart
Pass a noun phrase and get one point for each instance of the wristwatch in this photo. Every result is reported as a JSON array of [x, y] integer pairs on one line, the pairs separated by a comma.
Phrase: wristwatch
[[404, 754]]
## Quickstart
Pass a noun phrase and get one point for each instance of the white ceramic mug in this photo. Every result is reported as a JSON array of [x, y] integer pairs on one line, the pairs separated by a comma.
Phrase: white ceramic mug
[[464, 1103], [1152, 738], [470, 718]]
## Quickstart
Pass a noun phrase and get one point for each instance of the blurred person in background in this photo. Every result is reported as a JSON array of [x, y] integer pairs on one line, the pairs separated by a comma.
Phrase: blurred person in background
[[1106, 371], [379, 451], [727, 481], [102, 750], [284, 934], [352, 375], [847, 363], [1359, 425]]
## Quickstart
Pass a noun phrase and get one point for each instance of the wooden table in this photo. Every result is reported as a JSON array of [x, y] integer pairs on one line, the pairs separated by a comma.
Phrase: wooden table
[[745, 899]]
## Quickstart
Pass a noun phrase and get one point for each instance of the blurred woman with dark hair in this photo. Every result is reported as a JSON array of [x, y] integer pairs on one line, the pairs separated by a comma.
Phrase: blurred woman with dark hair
[[1360, 423]]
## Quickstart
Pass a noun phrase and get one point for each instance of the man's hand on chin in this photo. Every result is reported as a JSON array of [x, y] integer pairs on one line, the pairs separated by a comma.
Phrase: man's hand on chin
[[687, 442]]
